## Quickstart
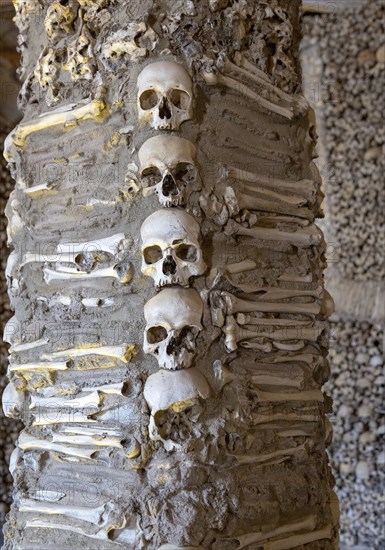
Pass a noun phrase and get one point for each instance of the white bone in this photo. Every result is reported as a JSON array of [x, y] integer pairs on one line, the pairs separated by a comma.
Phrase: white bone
[[105, 244], [277, 293], [72, 274], [40, 366], [167, 167], [175, 391], [234, 334], [58, 20], [27, 442], [12, 401], [96, 516], [90, 400], [165, 95], [97, 431], [277, 379], [122, 43], [18, 348], [173, 321], [171, 250], [239, 305], [307, 524], [13, 461], [296, 278], [241, 61], [47, 496], [305, 188], [102, 534], [38, 191], [111, 389], [95, 110], [123, 352], [296, 346], [98, 302], [299, 540], [252, 73], [88, 440], [214, 79], [240, 267], [302, 237], [49, 416], [262, 459], [272, 202]]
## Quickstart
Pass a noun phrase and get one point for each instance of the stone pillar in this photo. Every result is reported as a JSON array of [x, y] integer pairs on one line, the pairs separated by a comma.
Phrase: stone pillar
[[169, 342]]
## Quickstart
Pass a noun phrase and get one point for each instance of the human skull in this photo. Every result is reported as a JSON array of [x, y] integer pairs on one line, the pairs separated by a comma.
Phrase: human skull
[[173, 322], [165, 95], [171, 251], [167, 168], [174, 392]]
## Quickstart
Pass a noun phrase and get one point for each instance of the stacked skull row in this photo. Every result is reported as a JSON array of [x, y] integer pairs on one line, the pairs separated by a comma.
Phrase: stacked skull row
[[171, 247]]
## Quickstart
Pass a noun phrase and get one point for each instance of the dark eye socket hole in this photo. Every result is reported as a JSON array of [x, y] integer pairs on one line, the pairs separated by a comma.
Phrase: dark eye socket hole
[[180, 99], [152, 254], [185, 172], [151, 176], [156, 334], [187, 252], [148, 100], [186, 331]]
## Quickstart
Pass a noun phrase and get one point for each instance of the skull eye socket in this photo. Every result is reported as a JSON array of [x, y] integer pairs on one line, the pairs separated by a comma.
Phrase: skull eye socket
[[151, 176], [148, 100], [188, 332], [180, 99], [187, 252], [185, 172], [156, 334], [152, 254]]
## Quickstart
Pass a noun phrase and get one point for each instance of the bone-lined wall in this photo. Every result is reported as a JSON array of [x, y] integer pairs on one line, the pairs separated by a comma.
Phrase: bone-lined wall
[[169, 343]]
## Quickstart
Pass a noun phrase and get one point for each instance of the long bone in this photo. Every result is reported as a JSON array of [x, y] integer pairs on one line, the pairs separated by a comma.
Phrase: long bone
[[40, 366], [307, 524], [305, 188], [247, 199], [72, 274], [28, 442], [68, 117], [213, 79], [278, 293], [88, 440], [235, 333], [299, 540], [302, 237], [48, 417], [89, 400], [310, 395], [102, 534], [245, 69], [239, 305], [97, 516], [123, 352], [266, 458]]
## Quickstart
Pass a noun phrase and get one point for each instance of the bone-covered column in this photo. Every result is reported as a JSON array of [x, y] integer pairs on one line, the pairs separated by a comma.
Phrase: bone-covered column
[[169, 343]]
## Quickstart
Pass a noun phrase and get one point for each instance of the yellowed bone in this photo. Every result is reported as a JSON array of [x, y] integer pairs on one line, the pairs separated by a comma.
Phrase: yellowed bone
[[95, 110]]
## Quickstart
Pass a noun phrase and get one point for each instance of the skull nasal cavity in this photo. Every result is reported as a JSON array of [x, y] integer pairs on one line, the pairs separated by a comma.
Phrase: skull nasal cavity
[[169, 186], [169, 266], [164, 109]]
